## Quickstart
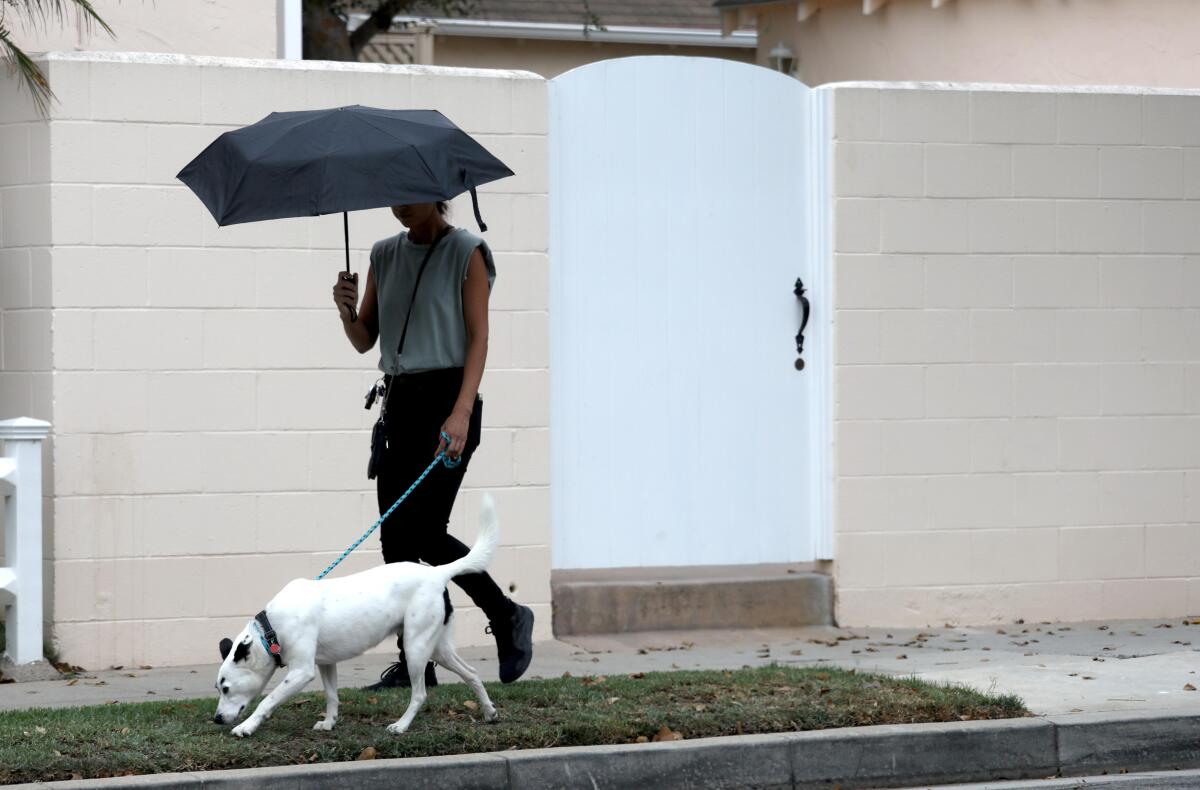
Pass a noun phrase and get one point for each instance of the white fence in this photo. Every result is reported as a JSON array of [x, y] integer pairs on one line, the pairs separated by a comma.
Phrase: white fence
[[682, 213], [21, 490]]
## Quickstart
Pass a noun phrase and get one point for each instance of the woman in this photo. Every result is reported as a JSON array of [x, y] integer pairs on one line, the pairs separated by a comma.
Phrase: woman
[[426, 301]]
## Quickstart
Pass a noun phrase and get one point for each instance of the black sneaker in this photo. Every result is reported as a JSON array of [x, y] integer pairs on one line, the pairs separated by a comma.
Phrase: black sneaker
[[396, 676], [514, 642]]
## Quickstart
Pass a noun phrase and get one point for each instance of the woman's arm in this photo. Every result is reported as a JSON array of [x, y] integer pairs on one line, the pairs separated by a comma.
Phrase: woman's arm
[[364, 331], [475, 316]]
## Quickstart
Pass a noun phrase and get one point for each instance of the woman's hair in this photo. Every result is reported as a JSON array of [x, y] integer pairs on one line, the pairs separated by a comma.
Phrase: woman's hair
[[443, 208]]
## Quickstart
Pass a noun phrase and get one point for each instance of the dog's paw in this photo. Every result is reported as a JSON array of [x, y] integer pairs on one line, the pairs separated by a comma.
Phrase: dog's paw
[[243, 730], [490, 715], [325, 725], [396, 728]]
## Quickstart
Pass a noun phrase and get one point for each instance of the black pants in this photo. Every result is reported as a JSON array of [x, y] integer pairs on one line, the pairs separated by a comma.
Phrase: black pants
[[418, 405]]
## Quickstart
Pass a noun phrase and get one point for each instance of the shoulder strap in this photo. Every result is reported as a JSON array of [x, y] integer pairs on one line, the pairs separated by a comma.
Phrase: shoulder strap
[[413, 300]]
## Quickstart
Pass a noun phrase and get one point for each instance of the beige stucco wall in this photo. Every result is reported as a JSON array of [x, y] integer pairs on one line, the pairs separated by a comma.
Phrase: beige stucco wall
[[233, 28], [551, 58], [209, 437], [1017, 373], [1060, 42]]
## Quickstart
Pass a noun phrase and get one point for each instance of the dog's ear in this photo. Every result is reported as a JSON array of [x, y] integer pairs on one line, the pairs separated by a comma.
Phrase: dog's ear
[[242, 652], [226, 646]]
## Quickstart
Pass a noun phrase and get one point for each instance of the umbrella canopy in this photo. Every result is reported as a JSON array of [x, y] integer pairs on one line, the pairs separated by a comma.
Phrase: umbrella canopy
[[295, 164]]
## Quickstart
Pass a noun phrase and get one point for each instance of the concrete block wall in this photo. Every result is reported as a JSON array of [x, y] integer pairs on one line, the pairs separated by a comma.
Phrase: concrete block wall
[[25, 229], [210, 440], [1017, 372]]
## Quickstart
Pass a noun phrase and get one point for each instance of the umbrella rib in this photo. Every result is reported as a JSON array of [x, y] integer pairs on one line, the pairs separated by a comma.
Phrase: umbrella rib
[[250, 160], [415, 149]]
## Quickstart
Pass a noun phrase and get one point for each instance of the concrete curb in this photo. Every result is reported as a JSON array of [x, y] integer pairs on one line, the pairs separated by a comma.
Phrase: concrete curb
[[853, 757]]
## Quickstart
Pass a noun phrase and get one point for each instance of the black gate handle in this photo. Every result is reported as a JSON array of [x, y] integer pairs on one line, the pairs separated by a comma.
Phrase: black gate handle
[[806, 308]]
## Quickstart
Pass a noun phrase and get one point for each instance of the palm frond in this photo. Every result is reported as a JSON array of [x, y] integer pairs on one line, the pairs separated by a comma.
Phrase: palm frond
[[27, 71], [42, 12]]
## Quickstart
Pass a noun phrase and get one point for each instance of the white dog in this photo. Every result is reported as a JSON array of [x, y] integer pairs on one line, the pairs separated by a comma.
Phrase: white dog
[[312, 625]]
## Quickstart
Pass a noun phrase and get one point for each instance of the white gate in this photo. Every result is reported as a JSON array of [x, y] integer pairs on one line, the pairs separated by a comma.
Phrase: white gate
[[681, 214]]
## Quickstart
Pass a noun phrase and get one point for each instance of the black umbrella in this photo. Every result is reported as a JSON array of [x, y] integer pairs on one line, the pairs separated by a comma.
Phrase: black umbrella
[[297, 164]]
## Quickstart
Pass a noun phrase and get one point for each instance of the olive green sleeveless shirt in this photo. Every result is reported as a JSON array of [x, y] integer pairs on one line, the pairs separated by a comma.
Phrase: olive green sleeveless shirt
[[437, 333]]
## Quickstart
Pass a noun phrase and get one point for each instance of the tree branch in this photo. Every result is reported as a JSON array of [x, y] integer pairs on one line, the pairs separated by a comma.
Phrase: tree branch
[[380, 21]]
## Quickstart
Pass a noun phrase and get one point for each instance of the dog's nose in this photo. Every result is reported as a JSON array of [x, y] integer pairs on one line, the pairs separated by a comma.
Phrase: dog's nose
[[218, 720]]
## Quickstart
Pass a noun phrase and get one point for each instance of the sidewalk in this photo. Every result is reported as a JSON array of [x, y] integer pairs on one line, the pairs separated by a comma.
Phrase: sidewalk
[[1141, 665]]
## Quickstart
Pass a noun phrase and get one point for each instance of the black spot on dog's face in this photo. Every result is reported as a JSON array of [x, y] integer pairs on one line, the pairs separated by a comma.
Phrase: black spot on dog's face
[[242, 652], [225, 647]]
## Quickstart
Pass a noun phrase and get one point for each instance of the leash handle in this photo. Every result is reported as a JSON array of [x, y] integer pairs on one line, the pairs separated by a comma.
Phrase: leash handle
[[441, 457]]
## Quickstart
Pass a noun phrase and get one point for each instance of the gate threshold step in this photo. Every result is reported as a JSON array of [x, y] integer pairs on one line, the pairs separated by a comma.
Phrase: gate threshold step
[[621, 600]]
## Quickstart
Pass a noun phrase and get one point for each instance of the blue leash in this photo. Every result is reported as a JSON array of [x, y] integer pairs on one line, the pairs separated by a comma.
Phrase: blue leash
[[445, 460]]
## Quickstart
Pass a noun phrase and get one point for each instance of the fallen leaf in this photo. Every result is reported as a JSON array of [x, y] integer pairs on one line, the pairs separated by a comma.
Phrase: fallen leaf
[[145, 666], [42, 730], [76, 775], [642, 739], [1102, 628], [1188, 687], [470, 704], [368, 753], [665, 733], [72, 682], [611, 700], [637, 676], [901, 656], [373, 700], [124, 730]]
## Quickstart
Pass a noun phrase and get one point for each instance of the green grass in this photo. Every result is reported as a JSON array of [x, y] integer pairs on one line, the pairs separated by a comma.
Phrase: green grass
[[155, 737]]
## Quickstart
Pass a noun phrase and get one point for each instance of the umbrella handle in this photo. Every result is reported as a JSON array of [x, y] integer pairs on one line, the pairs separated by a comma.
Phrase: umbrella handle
[[346, 233]]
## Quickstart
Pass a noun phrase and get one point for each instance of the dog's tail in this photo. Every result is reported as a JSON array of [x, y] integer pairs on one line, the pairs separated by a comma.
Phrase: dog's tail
[[480, 555]]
